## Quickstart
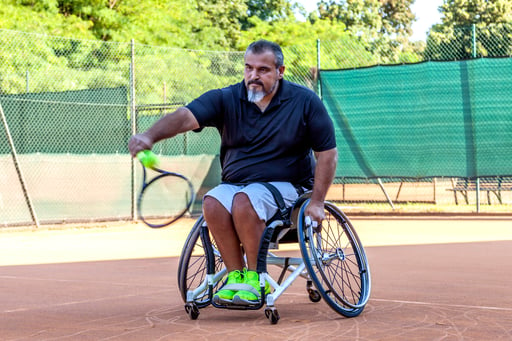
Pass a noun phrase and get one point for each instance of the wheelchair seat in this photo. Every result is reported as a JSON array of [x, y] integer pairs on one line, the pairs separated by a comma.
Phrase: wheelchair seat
[[287, 233], [332, 261]]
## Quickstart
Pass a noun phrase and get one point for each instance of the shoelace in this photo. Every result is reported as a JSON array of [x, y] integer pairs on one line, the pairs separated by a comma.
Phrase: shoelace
[[234, 275]]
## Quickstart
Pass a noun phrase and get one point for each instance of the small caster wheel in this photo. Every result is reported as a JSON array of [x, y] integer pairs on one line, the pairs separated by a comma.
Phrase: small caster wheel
[[272, 314], [314, 295], [192, 310]]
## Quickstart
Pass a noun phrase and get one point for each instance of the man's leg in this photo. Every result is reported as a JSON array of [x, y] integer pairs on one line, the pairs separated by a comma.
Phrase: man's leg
[[249, 227], [251, 208], [221, 226]]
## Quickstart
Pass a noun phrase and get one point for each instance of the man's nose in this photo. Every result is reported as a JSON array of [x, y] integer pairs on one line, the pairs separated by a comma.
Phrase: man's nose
[[253, 74]]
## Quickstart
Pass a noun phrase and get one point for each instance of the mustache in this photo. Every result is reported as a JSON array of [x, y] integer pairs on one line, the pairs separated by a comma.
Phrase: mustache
[[255, 82]]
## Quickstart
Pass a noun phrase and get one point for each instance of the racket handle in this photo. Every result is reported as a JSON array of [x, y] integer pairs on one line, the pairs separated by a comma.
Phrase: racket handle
[[148, 158]]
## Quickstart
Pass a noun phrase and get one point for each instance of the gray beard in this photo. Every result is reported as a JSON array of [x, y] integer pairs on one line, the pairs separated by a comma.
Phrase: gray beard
[[255, 96]]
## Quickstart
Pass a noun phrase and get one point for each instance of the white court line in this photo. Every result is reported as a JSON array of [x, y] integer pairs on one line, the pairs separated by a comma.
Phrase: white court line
[[66, 280], [82, 302], [442, 304]]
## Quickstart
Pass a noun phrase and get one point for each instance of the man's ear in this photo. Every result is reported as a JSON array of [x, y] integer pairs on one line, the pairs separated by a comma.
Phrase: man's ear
[[280, 71]]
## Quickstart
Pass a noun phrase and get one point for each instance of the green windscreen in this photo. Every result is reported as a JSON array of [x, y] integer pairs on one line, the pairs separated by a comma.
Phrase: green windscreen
[[77, 122], [422, 120]]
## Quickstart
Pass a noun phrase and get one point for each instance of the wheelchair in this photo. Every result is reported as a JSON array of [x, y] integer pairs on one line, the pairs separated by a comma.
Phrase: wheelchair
[[333, 263]]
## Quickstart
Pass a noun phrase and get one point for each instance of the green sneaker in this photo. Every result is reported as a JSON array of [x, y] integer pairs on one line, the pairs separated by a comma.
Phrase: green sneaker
[[250, 294], [229, 289]]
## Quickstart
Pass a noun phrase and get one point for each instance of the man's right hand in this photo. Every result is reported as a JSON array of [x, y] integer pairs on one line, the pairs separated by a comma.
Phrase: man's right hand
[[138, 143]]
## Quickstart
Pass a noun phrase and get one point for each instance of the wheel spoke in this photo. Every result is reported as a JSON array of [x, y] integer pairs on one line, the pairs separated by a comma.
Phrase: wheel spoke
[[337, 263], [194, 265]]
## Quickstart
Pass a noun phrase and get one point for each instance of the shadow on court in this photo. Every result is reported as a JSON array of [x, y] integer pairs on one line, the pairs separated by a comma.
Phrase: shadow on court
[[419, 292]]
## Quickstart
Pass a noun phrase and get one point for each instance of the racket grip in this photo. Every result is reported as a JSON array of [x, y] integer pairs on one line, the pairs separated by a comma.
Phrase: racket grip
[[147, 158]]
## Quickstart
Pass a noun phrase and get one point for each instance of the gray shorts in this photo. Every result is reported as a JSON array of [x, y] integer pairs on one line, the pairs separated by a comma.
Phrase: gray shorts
[[261, 198]]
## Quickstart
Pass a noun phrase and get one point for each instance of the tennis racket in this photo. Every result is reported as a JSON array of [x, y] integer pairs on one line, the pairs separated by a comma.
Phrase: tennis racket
[[166, 197]]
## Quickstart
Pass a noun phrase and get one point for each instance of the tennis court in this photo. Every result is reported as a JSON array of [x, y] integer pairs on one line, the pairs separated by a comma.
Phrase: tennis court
[[433, 278]]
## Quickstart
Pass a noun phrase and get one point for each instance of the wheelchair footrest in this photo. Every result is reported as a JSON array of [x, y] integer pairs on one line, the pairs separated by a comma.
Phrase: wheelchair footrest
[[254, 306]]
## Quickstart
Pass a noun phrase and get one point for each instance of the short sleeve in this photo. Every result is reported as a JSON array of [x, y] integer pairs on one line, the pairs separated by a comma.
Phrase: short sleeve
[[320, 126], [207, 108]]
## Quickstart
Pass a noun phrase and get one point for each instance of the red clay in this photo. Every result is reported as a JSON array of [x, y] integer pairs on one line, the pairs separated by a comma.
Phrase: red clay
[[446, 291]]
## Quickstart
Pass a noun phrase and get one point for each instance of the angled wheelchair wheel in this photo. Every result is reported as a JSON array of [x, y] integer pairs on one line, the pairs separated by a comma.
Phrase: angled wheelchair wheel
[[336, 261], [198, 255]]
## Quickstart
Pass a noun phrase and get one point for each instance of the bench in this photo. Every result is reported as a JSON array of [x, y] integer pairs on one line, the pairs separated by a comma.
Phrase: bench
[[490, 185]]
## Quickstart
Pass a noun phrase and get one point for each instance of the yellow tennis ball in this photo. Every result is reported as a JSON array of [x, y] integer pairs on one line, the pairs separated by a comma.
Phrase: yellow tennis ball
[[147, 158]]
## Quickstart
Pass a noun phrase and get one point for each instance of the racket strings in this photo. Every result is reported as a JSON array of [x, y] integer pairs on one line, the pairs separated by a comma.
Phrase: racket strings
[[165, 199]]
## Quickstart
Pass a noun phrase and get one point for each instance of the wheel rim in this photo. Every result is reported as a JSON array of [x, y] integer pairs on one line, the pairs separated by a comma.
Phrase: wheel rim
[[194, 265], [339, 263]]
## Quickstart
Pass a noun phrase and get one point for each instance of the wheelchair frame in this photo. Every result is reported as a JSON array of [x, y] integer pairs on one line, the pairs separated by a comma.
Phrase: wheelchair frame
[[335, 264]]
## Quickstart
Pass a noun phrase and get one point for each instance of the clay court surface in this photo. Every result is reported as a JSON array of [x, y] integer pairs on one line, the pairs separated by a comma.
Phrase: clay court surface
[[432, 279]]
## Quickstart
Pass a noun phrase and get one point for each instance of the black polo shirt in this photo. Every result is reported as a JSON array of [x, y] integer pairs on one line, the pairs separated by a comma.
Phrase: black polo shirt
[[274, 145]]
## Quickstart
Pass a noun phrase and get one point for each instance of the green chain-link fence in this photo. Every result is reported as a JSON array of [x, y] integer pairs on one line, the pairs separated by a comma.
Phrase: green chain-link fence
[[69, 107]]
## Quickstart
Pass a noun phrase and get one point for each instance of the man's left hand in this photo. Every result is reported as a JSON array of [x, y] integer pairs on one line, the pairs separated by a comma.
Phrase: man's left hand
[[315, 210]]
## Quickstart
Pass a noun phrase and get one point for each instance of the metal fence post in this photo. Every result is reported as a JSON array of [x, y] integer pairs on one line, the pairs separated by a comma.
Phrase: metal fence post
[[318, 86], [133, 121], [477, 195], [473, 40], [18, 169]]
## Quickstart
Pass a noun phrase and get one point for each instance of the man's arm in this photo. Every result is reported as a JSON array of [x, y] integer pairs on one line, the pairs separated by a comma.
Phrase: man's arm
[[324, 175], [170, 125]]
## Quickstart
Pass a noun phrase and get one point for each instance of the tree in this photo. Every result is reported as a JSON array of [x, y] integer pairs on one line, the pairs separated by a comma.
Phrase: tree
[[200, 25], [225, 15], [266, 10], [298, 41], [102, 14], [471, 28], [373, 17], [189, 24], [42, 17], [168, 23], [383, 25], [479, 12]]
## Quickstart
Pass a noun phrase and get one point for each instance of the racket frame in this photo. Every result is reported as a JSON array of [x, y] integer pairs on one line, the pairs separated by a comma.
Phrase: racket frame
[[146, 184]]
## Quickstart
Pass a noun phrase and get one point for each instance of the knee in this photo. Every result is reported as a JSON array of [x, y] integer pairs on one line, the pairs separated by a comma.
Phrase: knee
[[211, 207], [242, 205]]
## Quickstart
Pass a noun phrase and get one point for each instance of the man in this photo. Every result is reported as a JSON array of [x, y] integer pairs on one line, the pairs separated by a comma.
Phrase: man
[[268, 129]]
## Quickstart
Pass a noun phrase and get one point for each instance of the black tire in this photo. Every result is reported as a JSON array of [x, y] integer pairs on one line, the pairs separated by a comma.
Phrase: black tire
[[272, 315], [192, 311], [314, 295], [195, 260], [336, 261]]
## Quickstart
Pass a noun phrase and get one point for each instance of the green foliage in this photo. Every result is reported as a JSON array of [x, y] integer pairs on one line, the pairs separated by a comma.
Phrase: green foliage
[[382, 25], [266, 10], [371, 18], [471, 28], [479, 12], [42, 17], [58, 64], [40, 5], [226, 16], [185, 74], [92, 59], [298, 41]]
